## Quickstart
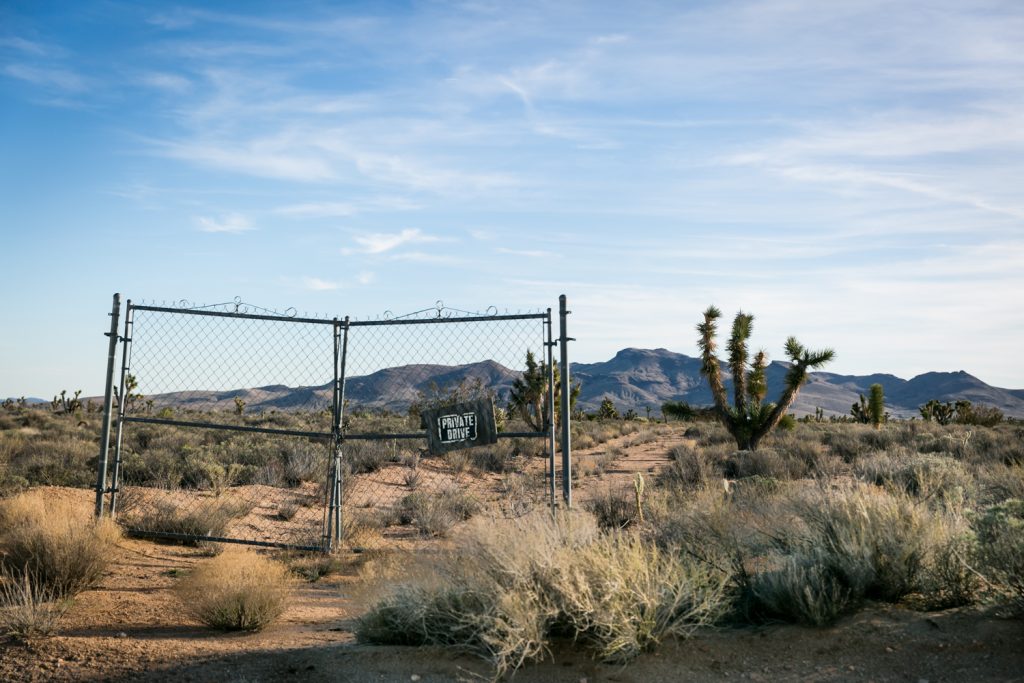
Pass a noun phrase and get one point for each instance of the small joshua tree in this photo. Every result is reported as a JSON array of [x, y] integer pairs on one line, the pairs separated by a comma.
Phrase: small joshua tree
[[876, 405], [750, 418], [607, 410], [529, 394], [67, 406]]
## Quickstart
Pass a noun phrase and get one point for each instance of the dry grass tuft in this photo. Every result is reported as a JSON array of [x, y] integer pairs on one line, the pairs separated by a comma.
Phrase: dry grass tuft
[[209, 517], [236, 591], [26, 609], [55, 543], [509, 586]]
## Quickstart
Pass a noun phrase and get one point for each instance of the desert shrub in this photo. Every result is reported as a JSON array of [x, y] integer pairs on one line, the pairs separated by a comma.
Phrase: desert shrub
[[500, 457], [713, 434], [844, 444], [1002, 445], [237, 590], [435, 513], [980, 415], [999, 482], [950, 580], [459, 461], [26, 610], [613, 508], [57, 545], [286, 511], [877, 543], [202, 471], [802, 588], [604, 460], [158, 467], [763, 463], [1000, 530], [209, 517], [509, 586], [928, 477], [369, 456], [877, 439], [688, 468], [56, 459], [853, 544], [312, 566], [808, 450], [304, 461]]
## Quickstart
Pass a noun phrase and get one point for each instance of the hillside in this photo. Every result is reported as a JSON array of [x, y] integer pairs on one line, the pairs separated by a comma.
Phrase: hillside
[[633, 378]]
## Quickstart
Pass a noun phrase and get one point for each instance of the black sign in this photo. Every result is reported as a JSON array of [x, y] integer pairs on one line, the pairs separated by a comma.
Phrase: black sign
[[460, 425]]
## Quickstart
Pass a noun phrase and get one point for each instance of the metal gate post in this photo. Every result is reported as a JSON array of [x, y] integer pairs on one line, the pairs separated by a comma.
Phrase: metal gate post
[[550, 343], [122, 405], [108, 398], [564, 340], [334, 522]]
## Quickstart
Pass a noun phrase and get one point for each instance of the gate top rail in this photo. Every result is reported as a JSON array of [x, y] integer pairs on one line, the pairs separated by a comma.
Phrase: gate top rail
[[336, 321]]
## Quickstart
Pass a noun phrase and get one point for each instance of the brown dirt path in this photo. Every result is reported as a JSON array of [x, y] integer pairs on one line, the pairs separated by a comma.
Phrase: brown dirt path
[[647, 455]]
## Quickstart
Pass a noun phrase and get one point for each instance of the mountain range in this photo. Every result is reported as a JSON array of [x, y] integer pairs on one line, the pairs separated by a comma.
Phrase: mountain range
[[634, 378], [648, 377]]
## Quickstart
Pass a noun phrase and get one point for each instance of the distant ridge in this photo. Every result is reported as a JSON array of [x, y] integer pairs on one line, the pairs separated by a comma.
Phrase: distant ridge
[[636, 378], [633, 378]]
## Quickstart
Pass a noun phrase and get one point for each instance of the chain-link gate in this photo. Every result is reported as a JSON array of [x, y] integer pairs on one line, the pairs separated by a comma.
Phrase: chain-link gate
[[238, 424]]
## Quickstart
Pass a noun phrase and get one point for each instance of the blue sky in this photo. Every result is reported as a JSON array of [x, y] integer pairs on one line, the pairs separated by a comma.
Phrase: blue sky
[[849, 172]]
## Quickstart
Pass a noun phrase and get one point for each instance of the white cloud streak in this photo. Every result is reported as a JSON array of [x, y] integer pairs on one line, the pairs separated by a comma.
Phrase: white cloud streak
[[379, 243], [230, 223]]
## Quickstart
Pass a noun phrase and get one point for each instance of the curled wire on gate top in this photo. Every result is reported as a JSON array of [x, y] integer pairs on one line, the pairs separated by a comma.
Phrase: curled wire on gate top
[[440, 311], [236, 305]]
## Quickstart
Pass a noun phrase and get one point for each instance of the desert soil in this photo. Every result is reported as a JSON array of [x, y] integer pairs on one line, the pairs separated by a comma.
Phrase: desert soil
[[132, 628]]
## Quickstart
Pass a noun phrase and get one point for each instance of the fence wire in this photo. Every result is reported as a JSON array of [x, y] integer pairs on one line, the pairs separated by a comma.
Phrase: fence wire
[[228, 432]]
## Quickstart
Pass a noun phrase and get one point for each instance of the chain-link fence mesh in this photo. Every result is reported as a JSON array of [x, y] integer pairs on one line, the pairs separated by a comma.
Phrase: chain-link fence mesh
[[227, 429]]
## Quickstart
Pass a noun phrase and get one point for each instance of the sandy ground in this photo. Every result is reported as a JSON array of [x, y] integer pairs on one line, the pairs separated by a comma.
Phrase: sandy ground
[[131, 627]]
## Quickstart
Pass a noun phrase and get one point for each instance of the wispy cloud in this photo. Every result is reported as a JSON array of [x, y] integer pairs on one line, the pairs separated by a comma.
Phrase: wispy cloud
[[315, 284], [334, 209], [257, 158], [48, 77], [27, 46], [167, 82], [231, 223], [526, 253], [381, 242], [319, 210]]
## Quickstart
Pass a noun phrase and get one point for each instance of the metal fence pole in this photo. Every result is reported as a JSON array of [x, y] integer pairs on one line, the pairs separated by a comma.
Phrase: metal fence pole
[[550, 343], [340, 430], [122, 406], [564, 340], [108, 398], [334, 523]]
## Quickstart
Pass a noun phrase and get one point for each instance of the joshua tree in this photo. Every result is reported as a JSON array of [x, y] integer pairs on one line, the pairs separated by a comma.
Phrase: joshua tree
[[876, 405], [65, 405], [943, 413], [750, 418], [607, 410], [871, 410], [529, 394]]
